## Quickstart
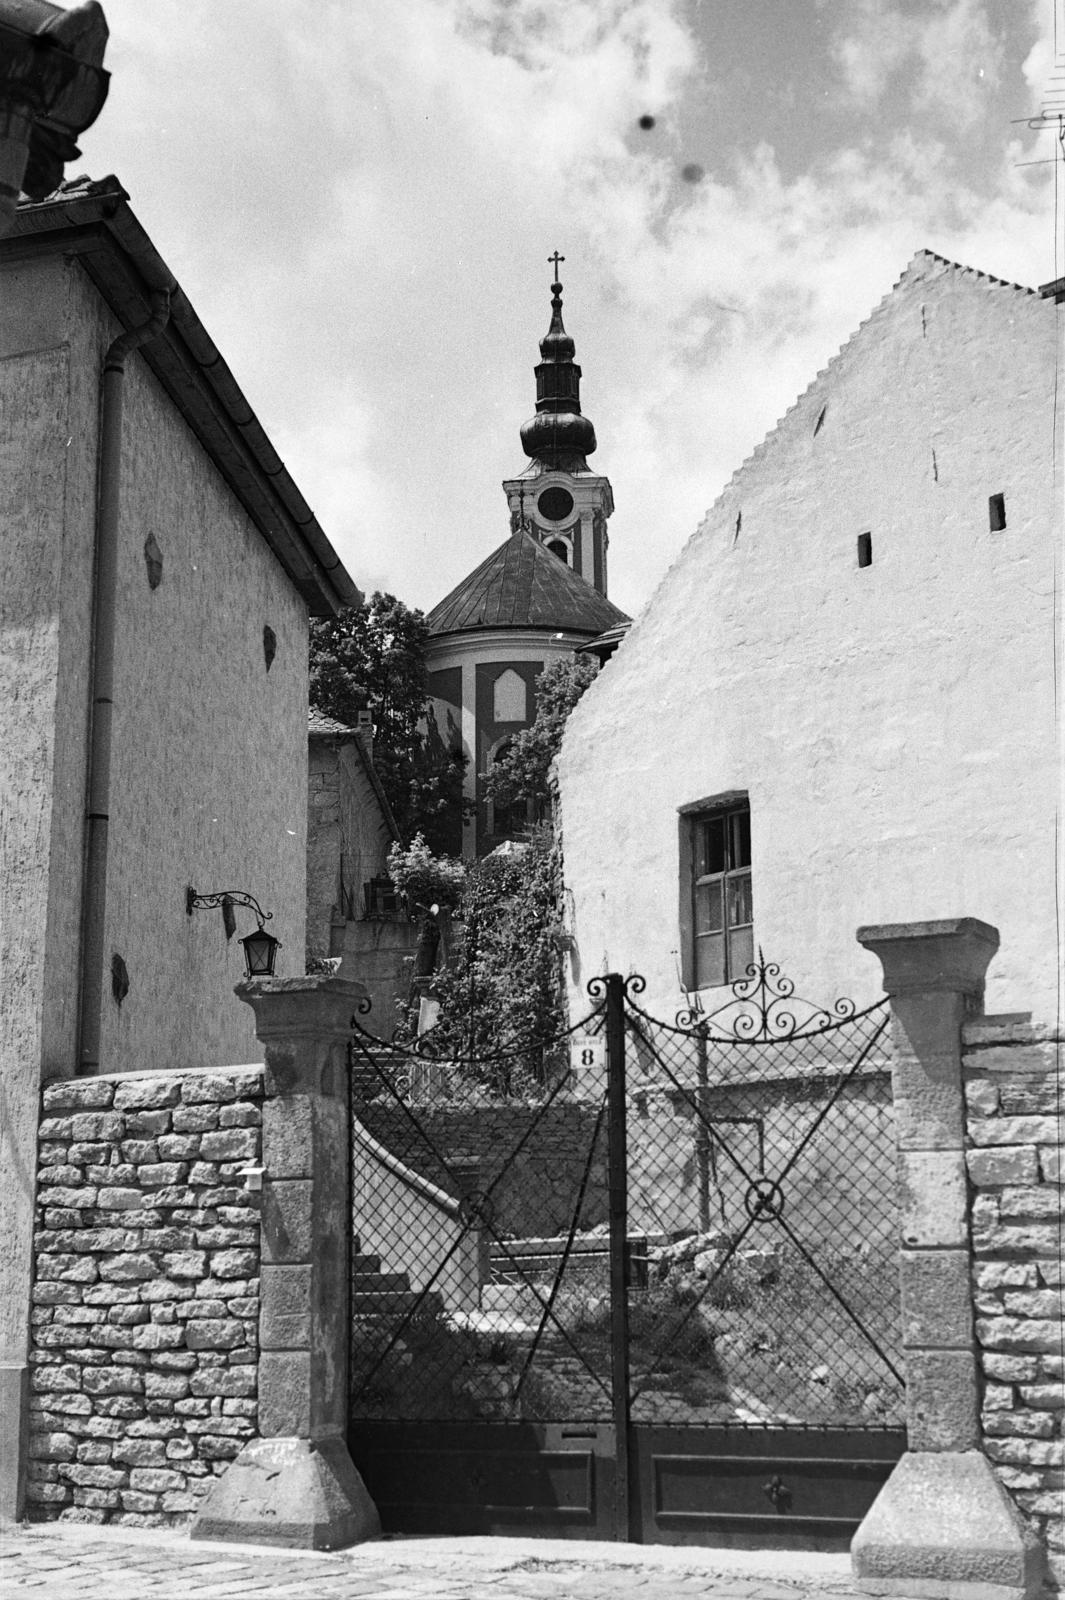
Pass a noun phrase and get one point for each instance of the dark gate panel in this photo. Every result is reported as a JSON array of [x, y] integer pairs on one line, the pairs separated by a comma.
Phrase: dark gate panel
[[480, 1212], [657, 1303], [753, 1488], [765, 1389]]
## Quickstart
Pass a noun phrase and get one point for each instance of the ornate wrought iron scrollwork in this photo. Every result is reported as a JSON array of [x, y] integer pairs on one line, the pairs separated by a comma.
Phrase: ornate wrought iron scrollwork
[[763, 1009], [634, 984], [596, 988], [764, 1200]]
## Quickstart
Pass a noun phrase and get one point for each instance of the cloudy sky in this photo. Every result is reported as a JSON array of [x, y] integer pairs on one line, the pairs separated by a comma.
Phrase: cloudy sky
[[360, 196]]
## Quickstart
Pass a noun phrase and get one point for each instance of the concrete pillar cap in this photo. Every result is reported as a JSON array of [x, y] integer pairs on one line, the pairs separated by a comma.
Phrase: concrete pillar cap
[[922, 957]]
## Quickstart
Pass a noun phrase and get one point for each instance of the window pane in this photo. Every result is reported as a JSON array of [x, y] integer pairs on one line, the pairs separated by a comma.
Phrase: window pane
[[708, 917], [740, 952], [709, 960], [710, 847], [740, 838], [739, 899]]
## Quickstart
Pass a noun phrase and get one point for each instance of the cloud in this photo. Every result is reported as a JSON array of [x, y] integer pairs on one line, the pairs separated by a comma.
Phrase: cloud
[[943, 59], [361, 199]]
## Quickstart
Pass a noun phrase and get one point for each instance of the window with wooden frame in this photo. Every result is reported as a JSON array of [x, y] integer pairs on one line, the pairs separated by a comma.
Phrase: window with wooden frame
[[716, 907]]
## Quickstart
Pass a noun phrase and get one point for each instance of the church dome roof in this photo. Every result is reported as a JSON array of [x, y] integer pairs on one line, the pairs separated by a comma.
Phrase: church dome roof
[[522, 585]]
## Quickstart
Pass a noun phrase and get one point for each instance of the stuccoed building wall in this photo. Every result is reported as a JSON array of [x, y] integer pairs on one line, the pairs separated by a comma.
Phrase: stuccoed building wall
[[892, 725], [208, 768], [208, 780]]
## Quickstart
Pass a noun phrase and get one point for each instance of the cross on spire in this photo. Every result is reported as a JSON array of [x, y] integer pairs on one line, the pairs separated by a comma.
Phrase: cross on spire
[[556, 258]]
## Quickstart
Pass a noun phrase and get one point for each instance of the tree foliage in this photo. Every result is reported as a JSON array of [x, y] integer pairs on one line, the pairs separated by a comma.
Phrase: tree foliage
[[522, 771], [502, 995], [372, 657]]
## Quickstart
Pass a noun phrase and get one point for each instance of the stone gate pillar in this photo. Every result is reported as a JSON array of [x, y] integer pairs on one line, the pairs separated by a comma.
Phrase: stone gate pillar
[[942, 1525], [296, 1485]]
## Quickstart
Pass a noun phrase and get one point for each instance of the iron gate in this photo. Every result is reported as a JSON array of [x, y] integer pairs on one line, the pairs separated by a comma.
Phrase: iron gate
[[639, 1284]]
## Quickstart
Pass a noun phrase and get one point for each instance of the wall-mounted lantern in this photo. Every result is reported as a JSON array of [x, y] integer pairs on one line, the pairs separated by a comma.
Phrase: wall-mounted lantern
[[260, 947]]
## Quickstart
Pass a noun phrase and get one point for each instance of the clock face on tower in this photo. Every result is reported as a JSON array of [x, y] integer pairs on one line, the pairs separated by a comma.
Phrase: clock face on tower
[[555, 503]]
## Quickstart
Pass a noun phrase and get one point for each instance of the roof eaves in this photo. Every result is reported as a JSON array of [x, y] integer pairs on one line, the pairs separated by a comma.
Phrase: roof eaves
[[96, 224]]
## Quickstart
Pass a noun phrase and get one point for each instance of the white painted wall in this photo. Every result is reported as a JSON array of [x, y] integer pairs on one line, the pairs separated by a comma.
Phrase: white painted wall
[[894, 726]]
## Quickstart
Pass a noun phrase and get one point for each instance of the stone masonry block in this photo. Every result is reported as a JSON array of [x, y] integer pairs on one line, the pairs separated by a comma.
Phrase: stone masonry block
[[81, 1199], [1034, 1303], [234, 1263], [1035, 1238], [194, 1119], [1005, 1275], [137, 1151], [1052, 1166], [1019, 1425], [106, 1125], [241, 1115], [220, 1088], [119, 1172], [936, 1306], [1003, 1164], [146, 1124], [209, 1333], [1014, 1130], [230, 1144], [933, 1197], [285, 1315], [1048, 1396], [160, 1174], [288, 1219], [84, 1094], [224, 1381], [288, 1137], [1036, 1202], [284, 1394], [130, 1268], [1010, 1369], [147, 1094], [1023, 1334], [981, 1096], [941, 1400], [120, 1199]]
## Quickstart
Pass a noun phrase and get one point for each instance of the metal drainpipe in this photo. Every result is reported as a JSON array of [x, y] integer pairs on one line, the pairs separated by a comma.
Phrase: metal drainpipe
[[105, 589]]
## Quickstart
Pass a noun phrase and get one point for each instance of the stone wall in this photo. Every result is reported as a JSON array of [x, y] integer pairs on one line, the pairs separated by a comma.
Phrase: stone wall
[[1014, 1156], [146, 1301]]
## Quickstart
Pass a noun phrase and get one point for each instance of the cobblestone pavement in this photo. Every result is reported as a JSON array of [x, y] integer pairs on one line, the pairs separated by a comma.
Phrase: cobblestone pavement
[[61, 1561]]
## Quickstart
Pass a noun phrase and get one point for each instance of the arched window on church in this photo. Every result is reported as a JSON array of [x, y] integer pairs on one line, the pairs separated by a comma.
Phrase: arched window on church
[[509, 697], [560, 549], [506, 819]]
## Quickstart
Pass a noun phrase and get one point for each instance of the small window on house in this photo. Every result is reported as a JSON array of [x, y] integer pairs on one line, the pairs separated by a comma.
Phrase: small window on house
[[996, 511], [722, 932], [558, 548], [269, 645], [865, 549]]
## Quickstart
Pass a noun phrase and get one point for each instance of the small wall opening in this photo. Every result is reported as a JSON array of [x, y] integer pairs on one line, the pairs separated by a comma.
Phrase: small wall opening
[[865, 549], [996, 512], [269, 645]]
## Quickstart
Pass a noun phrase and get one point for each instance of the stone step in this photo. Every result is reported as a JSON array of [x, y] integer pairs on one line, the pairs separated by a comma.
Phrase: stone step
[[360, 1263], [373, 1282], [391, 1302]]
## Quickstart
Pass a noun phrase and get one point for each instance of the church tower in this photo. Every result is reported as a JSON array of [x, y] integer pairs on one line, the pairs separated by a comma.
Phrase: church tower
[[538, 597], [558, 498]]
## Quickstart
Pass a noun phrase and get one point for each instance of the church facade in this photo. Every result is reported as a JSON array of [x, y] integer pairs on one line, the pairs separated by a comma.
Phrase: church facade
[[538, 597]]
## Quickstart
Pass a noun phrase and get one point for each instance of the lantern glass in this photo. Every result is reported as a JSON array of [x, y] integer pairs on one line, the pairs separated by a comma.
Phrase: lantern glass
[[260, 953]]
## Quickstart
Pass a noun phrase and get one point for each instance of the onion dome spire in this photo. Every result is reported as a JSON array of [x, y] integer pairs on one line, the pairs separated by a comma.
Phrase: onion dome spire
[[558, 435]]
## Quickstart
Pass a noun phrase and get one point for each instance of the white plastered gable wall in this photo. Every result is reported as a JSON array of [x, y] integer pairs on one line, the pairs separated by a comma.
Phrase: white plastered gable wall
[[894, 726]]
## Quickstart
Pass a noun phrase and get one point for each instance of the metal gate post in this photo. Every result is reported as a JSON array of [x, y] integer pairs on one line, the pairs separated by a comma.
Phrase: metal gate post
[[618, 1178]]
